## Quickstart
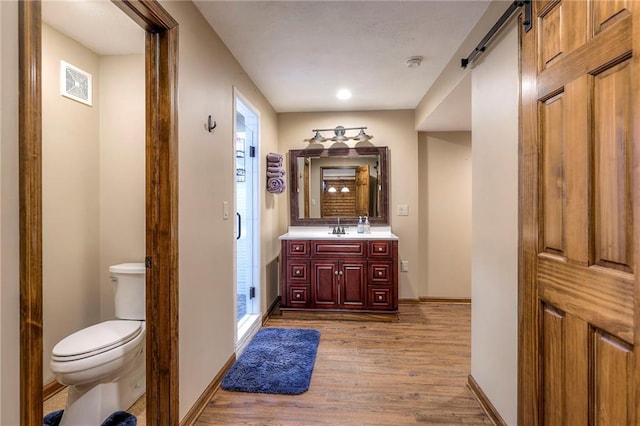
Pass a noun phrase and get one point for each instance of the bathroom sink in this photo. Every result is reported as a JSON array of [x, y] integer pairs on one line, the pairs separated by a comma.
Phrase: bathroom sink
[[324, 233]]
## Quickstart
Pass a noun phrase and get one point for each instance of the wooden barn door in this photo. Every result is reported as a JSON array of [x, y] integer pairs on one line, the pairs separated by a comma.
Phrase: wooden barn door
[[580, 192]]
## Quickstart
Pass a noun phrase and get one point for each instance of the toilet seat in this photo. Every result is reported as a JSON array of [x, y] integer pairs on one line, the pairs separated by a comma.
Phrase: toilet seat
[[96, 339]]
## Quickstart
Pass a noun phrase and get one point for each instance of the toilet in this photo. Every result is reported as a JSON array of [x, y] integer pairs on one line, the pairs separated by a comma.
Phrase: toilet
[[104, 365]]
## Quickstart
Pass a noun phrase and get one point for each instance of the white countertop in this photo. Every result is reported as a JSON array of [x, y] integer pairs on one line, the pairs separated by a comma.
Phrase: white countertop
[[324, 233]]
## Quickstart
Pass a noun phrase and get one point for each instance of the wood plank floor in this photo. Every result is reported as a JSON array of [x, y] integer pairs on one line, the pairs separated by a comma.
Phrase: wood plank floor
[[413, 371]]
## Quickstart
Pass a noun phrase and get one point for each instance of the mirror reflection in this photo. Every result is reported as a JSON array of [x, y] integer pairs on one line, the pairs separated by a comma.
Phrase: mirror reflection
[[342, 183]]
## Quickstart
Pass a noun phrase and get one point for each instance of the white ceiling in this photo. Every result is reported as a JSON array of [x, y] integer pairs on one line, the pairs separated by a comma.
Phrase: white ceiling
[[299, 53], [96, 24]]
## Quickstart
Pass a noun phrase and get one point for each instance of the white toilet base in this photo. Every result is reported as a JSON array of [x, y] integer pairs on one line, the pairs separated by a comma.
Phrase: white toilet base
[[91, 405]]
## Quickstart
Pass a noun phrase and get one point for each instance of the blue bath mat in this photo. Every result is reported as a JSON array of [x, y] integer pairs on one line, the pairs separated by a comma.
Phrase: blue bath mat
[[119, 418], [278, 360]]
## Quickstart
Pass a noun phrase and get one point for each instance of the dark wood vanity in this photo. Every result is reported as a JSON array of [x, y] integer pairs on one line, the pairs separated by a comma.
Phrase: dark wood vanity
[[340, 275]]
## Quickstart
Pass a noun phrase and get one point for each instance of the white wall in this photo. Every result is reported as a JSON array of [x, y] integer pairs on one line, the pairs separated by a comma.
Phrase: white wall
[[494, 316], [122, 168], [445, 214], [70, 196], [394, 129], [9, 243], [207, 74]]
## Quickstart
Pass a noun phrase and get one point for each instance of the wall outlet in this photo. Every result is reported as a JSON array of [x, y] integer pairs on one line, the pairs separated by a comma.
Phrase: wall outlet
[[225, 210], [404, 266], [403, 210]]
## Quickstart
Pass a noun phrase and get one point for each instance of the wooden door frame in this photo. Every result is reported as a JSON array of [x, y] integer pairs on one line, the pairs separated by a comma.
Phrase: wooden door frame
[[528, 380], [161, 66]]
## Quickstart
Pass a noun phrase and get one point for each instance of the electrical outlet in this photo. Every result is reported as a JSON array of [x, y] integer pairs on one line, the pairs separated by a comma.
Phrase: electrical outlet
[[225, 210], [403, 210], [404, 266]]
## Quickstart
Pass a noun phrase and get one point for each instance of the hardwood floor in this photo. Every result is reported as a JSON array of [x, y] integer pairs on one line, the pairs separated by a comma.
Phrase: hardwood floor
[[413, 371]]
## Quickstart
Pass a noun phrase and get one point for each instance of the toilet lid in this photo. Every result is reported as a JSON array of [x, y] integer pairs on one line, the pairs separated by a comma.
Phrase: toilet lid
[[96, 339]]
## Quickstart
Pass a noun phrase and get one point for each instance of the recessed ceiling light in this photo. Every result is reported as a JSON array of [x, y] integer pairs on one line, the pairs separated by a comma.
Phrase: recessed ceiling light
[[343, 94]]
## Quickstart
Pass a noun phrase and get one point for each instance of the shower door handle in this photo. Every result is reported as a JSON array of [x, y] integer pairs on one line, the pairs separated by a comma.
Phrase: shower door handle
[[239, 226]]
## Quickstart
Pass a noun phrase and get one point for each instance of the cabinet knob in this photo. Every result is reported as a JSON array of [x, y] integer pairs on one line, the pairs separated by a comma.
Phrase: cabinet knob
[[379, 297], [296, 248], [298, 272], [379, 248], [298, 296], [379, 273]]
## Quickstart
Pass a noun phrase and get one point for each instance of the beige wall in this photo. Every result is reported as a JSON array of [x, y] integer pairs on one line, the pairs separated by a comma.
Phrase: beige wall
[[494, 270], [122, 168], [70, 202], [207, 74], [9, 245], [394, 129], [445, 214]]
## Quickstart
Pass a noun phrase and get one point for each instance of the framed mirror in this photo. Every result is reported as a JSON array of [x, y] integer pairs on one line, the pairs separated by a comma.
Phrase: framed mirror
[[327, 184]]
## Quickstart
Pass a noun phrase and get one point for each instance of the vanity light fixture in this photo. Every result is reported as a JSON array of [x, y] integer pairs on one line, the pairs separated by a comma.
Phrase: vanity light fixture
[[331, 189], [339, 135], [344, 189], [317, 138]]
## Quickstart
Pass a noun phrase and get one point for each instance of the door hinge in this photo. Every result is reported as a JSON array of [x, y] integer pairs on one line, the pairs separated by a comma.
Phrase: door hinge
[[148, 262], [252, 151], [252, 292]]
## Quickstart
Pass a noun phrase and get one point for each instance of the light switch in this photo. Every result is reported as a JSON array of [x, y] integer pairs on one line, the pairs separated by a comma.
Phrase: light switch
[[225, 210], [404, 266], [403, 210]]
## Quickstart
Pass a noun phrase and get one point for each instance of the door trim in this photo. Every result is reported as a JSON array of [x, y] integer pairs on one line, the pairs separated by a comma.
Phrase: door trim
[[256, 202], [161, 66]]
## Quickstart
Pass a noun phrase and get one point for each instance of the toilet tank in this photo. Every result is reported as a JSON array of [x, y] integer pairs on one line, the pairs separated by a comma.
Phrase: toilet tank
[[129, 290]]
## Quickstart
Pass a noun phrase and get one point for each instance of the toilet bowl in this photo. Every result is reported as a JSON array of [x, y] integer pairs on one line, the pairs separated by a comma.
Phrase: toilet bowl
[[104, 365]]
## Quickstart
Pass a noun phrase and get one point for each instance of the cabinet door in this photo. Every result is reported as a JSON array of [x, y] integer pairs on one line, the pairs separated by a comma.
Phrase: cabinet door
[[352, 282], [324, 278]]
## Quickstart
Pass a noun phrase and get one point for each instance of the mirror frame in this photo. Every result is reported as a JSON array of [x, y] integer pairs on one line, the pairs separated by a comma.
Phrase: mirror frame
[[294, 154]]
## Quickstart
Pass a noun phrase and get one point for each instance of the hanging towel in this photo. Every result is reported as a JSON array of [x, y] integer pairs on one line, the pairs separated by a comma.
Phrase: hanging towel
[[274, 157], [276, 185], [275, 174], [274, 169]]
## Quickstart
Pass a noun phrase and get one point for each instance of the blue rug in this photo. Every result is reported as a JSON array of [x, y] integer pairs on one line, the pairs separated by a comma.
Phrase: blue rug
[[119, 418], [277, 360]]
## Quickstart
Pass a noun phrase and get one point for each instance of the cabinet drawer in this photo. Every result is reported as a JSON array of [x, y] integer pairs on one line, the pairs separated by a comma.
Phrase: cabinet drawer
[[297, 248], [298, 271], [380, 297], [379, 248], [298, 295], [380, 272], [338, 248]]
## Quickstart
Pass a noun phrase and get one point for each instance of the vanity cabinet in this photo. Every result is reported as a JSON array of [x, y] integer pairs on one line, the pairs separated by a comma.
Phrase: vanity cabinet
[[339, 284], [339, 275]]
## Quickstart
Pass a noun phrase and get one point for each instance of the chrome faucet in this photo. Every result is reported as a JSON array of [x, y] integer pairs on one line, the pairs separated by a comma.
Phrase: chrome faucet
[[338, 230]]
